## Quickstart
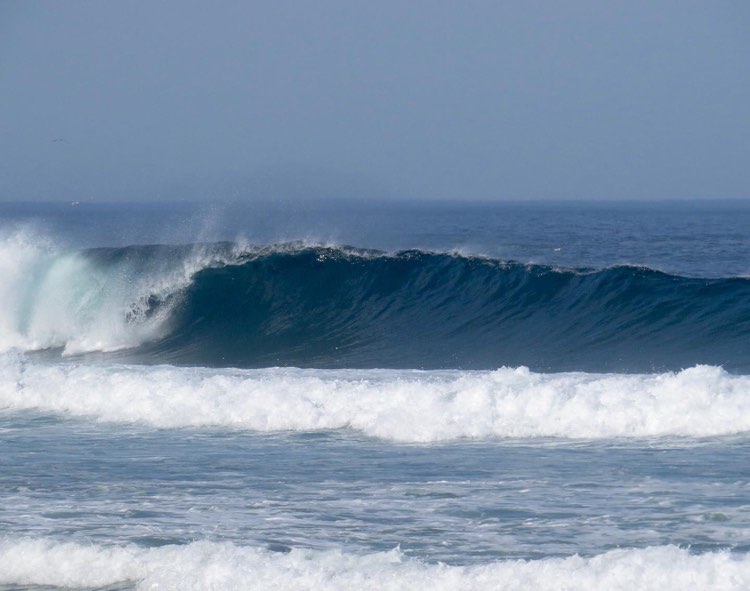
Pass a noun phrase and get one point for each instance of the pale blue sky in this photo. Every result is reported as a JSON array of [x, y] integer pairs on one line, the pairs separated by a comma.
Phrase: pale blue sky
[[420, 100]]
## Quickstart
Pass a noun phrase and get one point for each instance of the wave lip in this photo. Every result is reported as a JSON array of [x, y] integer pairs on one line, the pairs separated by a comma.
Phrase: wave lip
[[224, 566], [394, 405]]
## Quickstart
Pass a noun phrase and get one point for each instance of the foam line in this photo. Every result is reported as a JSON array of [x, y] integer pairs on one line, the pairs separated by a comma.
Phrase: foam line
[[397, 405], [224, 566]]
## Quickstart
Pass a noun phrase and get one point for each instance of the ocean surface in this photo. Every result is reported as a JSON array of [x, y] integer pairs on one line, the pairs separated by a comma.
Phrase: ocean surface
[[347, 395]]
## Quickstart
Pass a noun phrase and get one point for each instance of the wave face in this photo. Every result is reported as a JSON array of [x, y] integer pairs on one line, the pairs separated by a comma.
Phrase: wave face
[[392, 405], [220, 566], [335, 307]]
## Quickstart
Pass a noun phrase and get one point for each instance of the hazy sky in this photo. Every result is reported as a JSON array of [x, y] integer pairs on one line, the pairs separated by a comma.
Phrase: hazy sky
[[428, 100]]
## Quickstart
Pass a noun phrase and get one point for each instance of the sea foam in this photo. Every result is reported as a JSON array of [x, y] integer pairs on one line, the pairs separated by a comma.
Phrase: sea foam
[[397, 405], [224, 566], [53, 298]]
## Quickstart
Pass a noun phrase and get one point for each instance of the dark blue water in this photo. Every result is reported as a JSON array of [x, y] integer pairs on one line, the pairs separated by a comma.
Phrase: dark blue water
[[332, 307]]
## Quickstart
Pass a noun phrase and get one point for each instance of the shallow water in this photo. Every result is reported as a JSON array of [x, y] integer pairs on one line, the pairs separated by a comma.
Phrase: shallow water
[[459, 503]]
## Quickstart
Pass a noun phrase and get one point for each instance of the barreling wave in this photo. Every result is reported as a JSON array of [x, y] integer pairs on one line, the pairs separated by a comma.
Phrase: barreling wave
[[337, 307], [394, 405], [225, 566]]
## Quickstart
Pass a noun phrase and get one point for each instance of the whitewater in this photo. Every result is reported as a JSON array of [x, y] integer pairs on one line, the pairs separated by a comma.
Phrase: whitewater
[[220, 566], [499, 397], [408, 406]]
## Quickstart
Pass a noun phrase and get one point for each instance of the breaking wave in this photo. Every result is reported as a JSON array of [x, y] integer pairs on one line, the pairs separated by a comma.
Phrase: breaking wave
[[395, 405], [336, 307]]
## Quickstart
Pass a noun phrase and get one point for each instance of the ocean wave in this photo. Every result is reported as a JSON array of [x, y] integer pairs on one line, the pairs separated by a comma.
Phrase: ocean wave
[[395, 405], [225, 566], [230, 305]]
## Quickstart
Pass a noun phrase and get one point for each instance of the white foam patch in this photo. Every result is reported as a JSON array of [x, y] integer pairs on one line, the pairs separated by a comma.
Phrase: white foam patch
[[398, 405], [224, 566], [50, 298]]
